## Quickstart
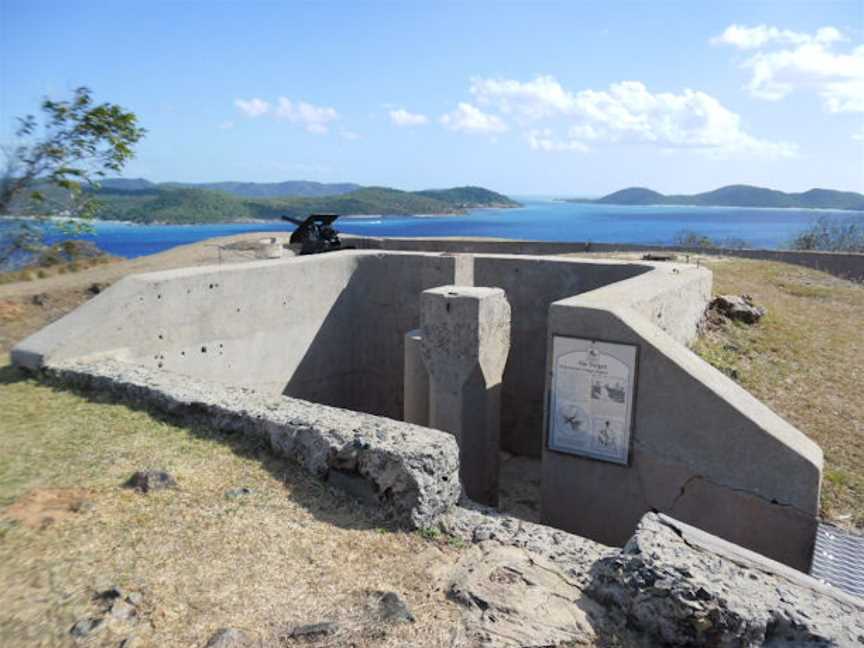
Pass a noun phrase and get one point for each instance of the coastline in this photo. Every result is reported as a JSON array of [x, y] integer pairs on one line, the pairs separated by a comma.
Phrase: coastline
[[842, 210]]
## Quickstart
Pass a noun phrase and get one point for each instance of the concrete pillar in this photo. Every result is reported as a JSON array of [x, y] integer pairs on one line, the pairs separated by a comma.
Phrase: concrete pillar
[[416, 381], [465, 342]]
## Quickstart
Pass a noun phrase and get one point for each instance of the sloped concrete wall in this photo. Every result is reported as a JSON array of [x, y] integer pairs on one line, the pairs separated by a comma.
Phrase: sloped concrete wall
[[702, 448]]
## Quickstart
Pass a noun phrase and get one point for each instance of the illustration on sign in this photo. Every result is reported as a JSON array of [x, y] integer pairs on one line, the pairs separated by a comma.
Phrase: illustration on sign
[[592, 398]]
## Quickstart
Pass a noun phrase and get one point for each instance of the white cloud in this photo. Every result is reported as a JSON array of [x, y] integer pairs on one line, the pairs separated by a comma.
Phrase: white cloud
[[470, 119], [536, 99], [785, 62], [253, 107], [543, 140], [626, 111], [227, 124], [756, 37], [402, 117], [315, 119]]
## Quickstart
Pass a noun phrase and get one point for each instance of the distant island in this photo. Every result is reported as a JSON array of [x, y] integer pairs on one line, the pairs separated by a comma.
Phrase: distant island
[[141, 201], [736, 196]]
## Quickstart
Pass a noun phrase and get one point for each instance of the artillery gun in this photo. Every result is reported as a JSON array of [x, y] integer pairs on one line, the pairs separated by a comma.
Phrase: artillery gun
[[315, 234]]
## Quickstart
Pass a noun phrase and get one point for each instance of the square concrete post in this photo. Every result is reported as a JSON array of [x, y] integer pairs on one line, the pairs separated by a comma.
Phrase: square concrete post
[[466, 339], [415, 408]]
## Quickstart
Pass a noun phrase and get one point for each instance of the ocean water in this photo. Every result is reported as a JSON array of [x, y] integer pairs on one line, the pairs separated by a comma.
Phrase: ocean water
[[538, 219]]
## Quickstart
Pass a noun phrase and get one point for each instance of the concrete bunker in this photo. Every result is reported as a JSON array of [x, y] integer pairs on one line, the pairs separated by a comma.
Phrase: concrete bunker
[[331, 329]]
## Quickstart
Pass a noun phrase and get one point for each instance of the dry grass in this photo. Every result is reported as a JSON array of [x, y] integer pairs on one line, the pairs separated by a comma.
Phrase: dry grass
[[805, 360], [34, 273], [291, 552]]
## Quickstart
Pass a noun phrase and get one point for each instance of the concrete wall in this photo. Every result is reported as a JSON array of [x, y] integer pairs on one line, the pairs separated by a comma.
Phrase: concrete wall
[[840, 264], [531, 286], [702, 448], [327, 328]]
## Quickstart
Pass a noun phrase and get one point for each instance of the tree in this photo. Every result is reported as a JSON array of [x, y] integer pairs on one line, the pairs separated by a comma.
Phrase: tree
[[56, 166]]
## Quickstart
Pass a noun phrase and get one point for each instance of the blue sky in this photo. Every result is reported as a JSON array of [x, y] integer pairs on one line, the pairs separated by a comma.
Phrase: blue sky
[[574, 98]]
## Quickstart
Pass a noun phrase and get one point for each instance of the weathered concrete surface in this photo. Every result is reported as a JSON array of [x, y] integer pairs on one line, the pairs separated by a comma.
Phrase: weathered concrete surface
[[686, 588], [465, 343], [524, 584], [411, 474], [532, 284], [416, 388], [512, 597], [327, 328], [702, 448]]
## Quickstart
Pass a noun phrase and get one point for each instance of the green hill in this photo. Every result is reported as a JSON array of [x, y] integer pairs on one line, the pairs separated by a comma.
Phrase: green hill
[[469, 197], [162, 204], [293, 188], [633, 196], [739, 196]]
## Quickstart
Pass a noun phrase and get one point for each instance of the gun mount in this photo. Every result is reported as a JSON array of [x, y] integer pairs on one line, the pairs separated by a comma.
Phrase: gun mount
[[315, 234]]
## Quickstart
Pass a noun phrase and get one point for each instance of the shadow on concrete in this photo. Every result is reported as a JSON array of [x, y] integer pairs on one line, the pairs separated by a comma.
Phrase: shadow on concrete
[[356, 359]]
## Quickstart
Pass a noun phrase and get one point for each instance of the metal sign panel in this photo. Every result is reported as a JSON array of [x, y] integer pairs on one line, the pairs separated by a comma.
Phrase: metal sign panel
[[591, 399]]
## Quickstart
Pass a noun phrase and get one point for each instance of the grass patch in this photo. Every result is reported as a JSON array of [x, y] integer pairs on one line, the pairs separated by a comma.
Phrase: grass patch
[[284, 553], [805, 360]]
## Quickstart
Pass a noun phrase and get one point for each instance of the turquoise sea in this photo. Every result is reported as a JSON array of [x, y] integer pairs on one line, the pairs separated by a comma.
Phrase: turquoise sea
[[539, 219]]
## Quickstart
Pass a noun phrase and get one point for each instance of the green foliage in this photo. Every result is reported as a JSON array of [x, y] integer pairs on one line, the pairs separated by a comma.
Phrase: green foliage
[[832, 235], [691, 239], [79, 143], [430, 533], [59, 161], [469, 197]]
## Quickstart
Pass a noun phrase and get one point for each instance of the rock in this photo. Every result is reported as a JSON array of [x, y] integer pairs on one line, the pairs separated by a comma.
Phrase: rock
[[150, 479], [235, 493], [110, 592], [135, 598], [228, 638], [41, 299], [314, 630], [392, 608], [122, 611], [684, 587], [86, 627], [737, 307], [83, 506], [97, 287], [514, 597], [473, 523], [654, 256], [131, 641]]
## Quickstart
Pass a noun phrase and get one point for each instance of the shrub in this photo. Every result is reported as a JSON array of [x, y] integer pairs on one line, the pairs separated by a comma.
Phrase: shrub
[[832, 234]]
